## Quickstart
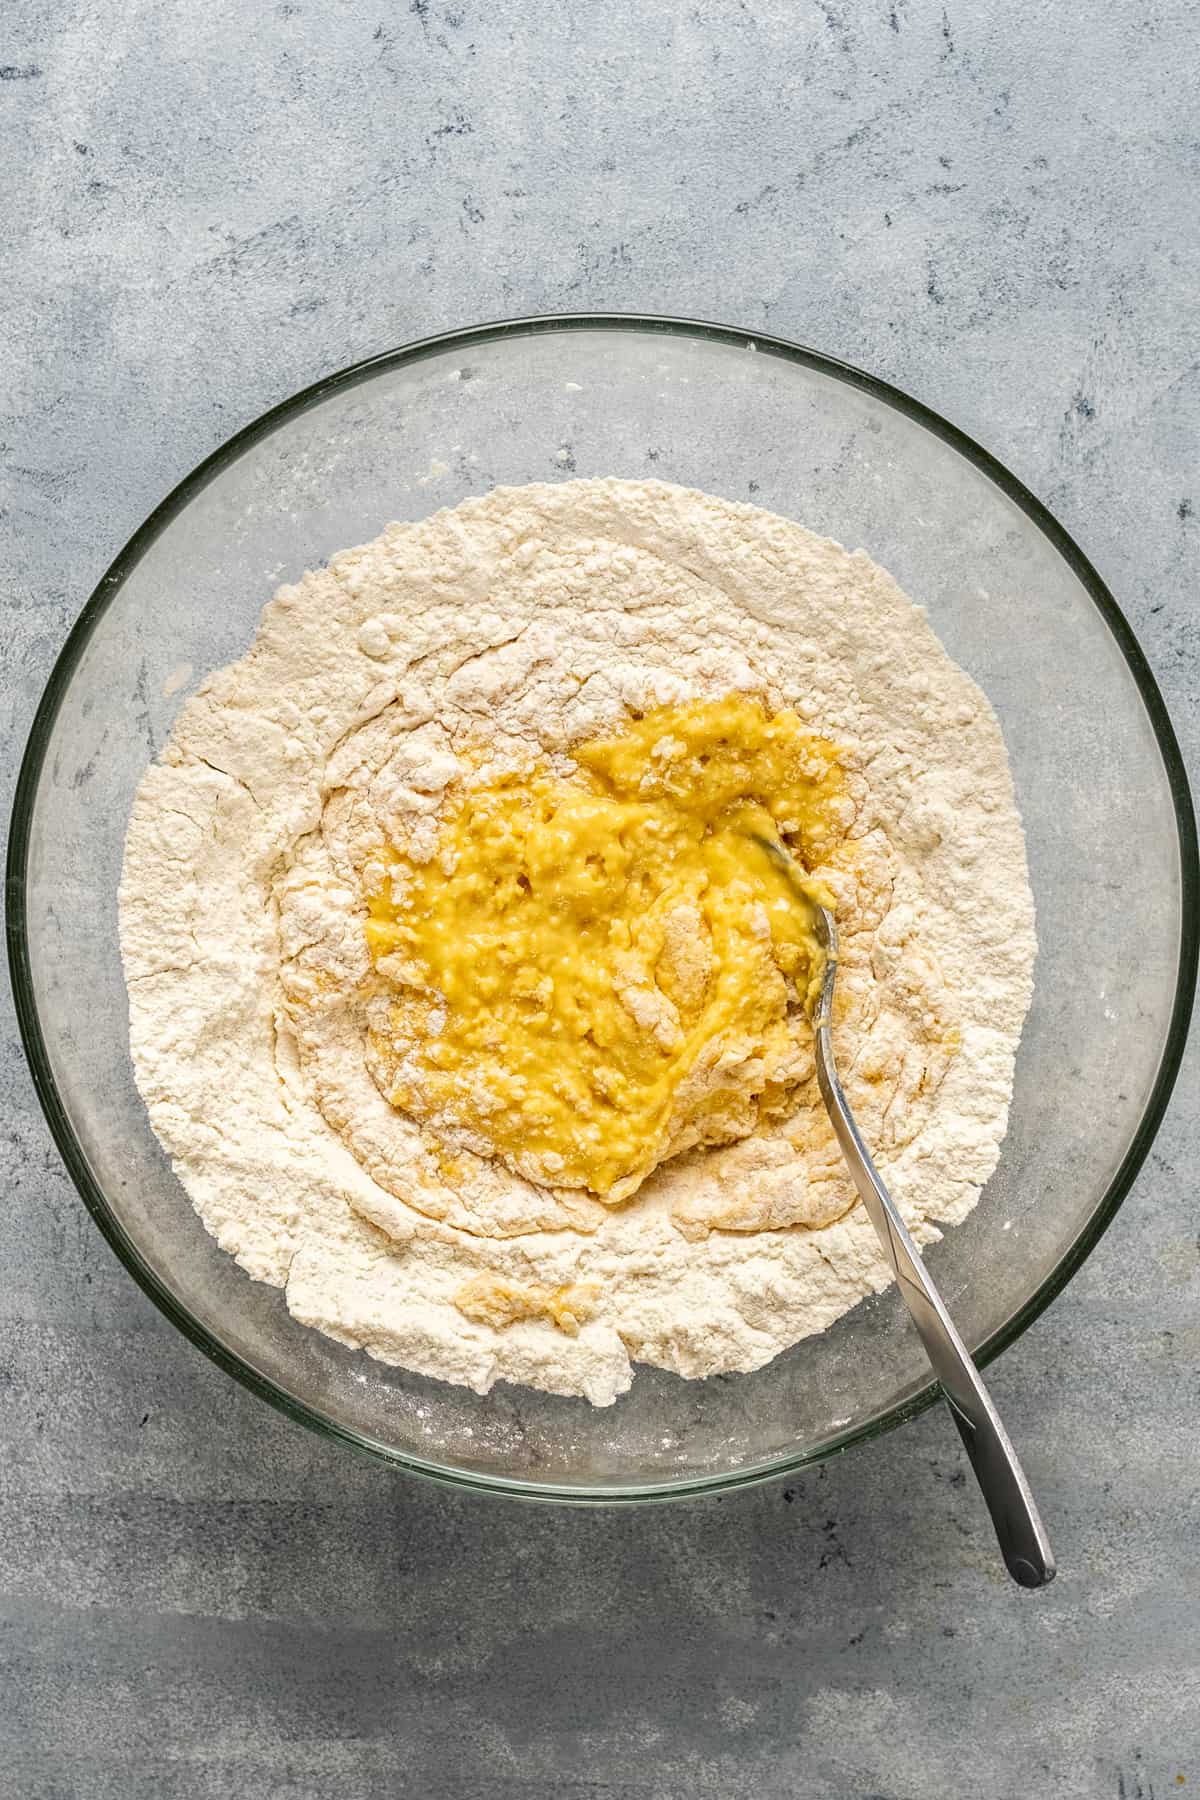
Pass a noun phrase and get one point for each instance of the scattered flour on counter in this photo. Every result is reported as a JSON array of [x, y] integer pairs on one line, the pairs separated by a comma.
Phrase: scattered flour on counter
[[511, 628]]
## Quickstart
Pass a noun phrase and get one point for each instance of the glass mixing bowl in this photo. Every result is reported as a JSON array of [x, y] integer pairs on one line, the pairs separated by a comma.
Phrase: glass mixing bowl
[[1110, 832]]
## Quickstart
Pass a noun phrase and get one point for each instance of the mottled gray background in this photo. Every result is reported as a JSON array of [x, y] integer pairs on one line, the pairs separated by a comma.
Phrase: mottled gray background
[[205, 208]]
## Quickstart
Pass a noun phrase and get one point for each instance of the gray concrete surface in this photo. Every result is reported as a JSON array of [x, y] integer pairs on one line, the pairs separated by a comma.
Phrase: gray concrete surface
[[206, 207]]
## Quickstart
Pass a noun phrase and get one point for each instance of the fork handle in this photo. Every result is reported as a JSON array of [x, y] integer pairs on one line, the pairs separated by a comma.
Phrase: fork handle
[[1019, 1530]]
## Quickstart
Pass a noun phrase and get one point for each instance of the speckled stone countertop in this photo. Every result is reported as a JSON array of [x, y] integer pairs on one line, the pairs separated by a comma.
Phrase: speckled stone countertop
[[208, 207]]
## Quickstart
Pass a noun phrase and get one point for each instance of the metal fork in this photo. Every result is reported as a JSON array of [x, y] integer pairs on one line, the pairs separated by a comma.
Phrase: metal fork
[[1019, 1529]]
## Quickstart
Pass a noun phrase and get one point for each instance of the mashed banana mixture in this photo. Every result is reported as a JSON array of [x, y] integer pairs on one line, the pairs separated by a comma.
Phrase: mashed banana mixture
[[463, 994]]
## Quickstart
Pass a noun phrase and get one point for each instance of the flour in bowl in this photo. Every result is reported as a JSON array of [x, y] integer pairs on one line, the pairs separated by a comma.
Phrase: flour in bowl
[[455, 997]]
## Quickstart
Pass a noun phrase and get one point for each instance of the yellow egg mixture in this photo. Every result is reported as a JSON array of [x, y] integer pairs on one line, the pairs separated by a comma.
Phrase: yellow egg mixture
[[600, 968]]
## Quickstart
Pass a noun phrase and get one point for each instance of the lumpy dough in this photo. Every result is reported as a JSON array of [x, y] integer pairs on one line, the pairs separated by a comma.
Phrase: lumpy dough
[[346, 976]]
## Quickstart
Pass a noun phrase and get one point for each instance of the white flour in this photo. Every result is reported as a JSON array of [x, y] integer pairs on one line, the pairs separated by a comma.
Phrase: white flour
[[523, 623]]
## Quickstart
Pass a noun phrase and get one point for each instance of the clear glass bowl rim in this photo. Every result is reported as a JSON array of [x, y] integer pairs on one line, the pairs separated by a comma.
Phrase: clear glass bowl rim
[[16, 911]]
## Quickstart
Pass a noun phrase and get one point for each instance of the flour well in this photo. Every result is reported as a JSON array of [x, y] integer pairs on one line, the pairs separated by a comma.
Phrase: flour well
[[487, 639]]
